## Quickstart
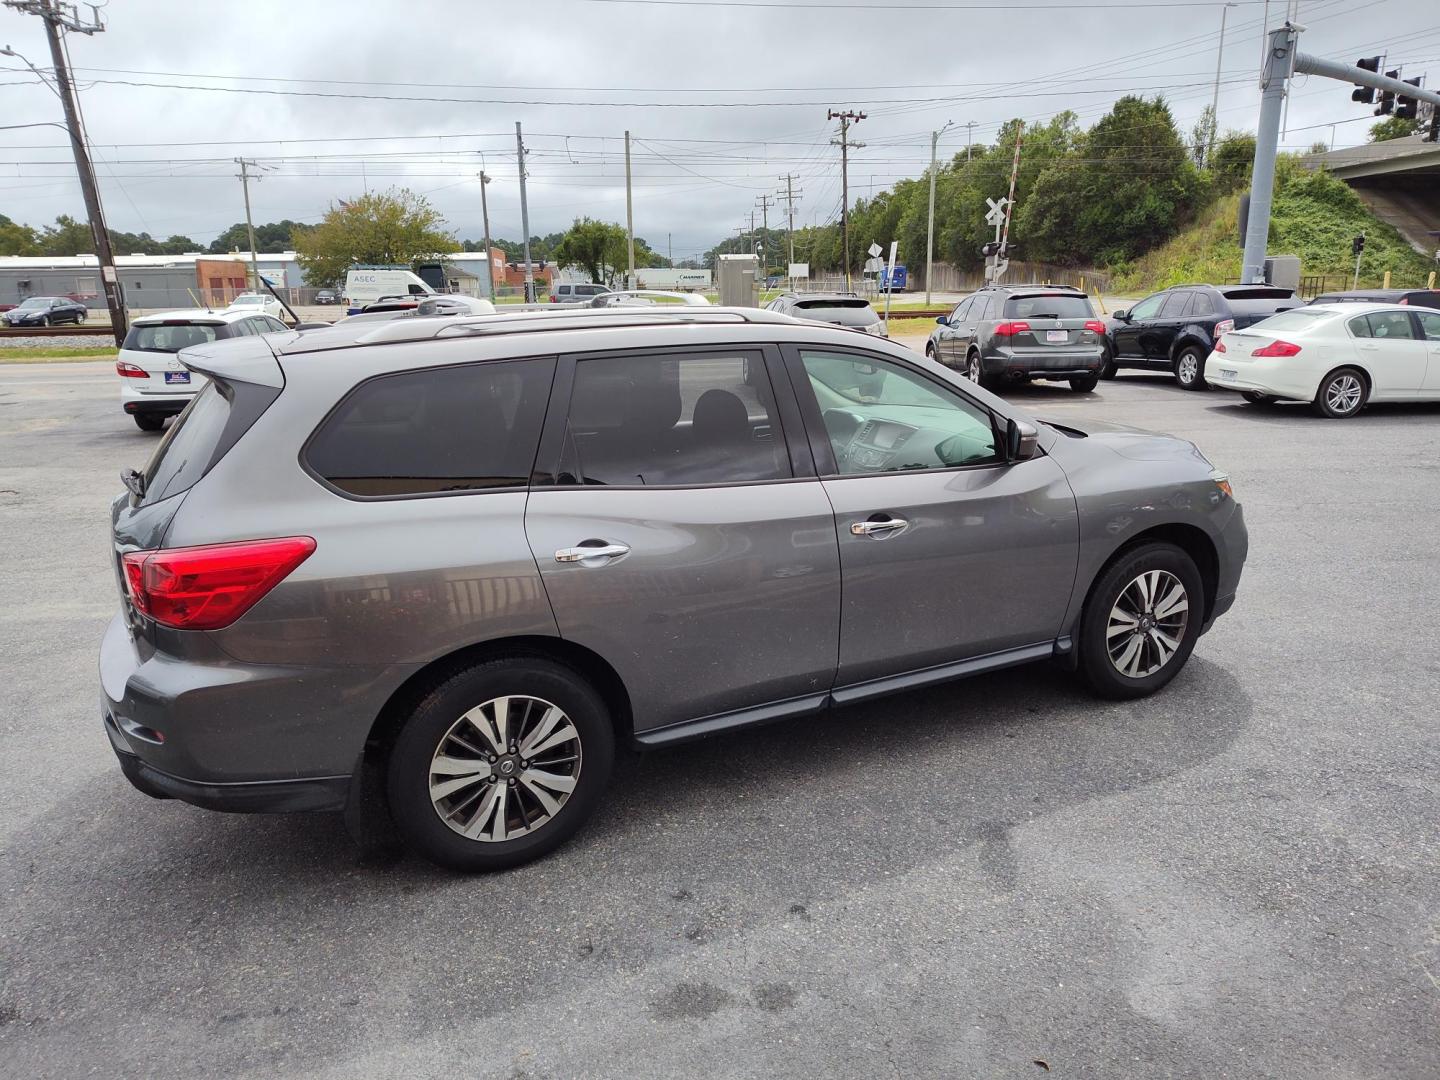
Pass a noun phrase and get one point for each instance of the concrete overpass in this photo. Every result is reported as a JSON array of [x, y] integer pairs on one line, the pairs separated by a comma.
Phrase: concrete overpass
[[1399, 180]]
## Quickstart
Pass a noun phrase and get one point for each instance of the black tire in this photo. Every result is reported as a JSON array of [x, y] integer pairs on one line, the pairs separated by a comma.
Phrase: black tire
[[975, 369], [149, 423], [80, 318], [1335, 400], [1255, 397], [1084, 384], [1190, 378], [44, 320], [1096, 667], [931, 354], [408, 771], [1108, 367]]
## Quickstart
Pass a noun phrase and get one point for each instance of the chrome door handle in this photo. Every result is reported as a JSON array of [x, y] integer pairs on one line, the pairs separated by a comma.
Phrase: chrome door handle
[[585, 552], [879, 529]]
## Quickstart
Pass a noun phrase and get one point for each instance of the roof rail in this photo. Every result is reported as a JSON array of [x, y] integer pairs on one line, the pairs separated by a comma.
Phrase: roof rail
[[559, 318]]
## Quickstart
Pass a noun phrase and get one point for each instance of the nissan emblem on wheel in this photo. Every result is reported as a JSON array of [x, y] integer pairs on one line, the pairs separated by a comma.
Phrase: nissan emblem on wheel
[[432, 572]]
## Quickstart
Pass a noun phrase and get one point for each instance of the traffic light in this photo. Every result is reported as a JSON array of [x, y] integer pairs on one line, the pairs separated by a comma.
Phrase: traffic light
[[992, 248], [1366, 94], [1407, 107], [1387, 97], [1357, 245]]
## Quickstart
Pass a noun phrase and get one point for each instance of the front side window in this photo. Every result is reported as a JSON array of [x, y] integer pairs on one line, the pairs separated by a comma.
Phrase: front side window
[[470, 428], [1148, 308], [642, 421], [881, 417], [1429, 324]]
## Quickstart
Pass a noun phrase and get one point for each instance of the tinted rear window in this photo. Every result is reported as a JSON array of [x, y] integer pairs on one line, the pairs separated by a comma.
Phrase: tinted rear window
[[1255, 292], [1298, 319], [1257, 307], [469, 428], [1054, 306], [171, 337], [841, 312], [189, 446]]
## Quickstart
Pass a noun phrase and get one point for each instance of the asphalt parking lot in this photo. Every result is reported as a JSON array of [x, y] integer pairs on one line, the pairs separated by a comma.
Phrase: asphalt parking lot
[[1000, 878]]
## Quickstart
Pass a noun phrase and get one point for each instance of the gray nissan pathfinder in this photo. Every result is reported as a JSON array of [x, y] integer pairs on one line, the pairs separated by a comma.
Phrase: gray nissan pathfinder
[[430, 572]]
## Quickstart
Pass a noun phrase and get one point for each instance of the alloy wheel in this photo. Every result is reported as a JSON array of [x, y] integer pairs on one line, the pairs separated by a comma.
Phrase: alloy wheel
[[972, 368], [505, 768], [1147, 623], [1343, 394], [1188, 368]]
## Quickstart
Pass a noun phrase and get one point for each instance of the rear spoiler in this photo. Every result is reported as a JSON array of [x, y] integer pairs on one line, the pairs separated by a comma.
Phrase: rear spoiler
[[248, 359]]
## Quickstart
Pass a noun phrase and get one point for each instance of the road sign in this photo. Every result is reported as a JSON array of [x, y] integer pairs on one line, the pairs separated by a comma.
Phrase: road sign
[[874, 250], [997, 210], [800, 270]]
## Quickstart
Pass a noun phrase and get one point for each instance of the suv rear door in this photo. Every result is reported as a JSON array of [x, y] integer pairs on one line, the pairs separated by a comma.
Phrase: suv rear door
[[680, 536], [947, 552]]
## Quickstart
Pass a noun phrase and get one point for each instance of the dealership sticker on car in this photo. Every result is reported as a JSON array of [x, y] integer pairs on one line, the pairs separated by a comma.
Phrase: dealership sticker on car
[[1057, 335], [177, 376]]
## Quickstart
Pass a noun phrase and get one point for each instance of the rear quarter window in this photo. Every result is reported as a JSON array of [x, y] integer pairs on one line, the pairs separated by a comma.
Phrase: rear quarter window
[[188, 448], [470, 428]]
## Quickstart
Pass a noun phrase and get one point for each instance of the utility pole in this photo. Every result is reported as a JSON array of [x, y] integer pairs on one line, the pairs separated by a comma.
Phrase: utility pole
[[57, 17], [485, 217], [1003, 255], [1215, 97], [790, 194], [245, 166], [670, 250], [629, 221], [846, 119], [525, 217], [930, 218], [764, 201], [969, 137]]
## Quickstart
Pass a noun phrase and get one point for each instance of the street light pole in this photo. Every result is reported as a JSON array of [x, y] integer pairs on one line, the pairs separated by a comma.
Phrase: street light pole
[[485, 217], [525, 217], [930, 218]]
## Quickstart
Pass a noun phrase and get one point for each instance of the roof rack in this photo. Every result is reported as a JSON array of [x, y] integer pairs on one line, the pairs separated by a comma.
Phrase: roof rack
[[558, 318]]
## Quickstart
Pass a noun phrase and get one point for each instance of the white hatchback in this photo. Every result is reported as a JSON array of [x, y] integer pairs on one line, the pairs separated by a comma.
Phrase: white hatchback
[[1338, 357], [154, 383]]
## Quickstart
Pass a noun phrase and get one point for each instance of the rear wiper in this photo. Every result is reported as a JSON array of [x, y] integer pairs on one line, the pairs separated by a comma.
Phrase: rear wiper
[[1045, 315], [135, 481]]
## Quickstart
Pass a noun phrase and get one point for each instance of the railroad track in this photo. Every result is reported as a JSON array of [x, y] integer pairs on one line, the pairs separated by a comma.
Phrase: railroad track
[[98, 330]]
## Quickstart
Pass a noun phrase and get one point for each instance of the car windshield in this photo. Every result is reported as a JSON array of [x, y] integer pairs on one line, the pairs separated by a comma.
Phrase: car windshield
[[1050, 306], [36, 302], [169, 337], [841, 312], [243, 301], [1297, 319]]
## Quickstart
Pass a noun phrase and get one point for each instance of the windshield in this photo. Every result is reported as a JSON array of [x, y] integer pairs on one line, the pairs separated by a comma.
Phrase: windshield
[[840, 312], [1053, 306], [246, 301], [1298, 319], [36, 302], [170, 337]]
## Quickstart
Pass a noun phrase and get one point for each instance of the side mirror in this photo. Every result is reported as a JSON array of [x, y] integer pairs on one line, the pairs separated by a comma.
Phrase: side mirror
[[1020, 441], [943, 320], [1122, 315]]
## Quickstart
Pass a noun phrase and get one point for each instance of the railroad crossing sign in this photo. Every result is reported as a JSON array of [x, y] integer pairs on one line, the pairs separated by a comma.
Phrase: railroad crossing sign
[[997, 210]]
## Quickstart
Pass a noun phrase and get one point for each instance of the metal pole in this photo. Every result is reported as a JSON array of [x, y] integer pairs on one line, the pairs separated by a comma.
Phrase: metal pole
[[969, 136], [629, 221], [1278, 57], [104, 254], [1003, 255], [1358, 256], [1215, 97], [249, 224], [930, 217], [525, 217], [485, 216]]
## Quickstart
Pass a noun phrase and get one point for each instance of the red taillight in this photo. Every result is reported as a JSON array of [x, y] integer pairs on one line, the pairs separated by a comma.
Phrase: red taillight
[[1223, 327], [206, 588], [1095, 326], [1277, 348], [130, 371], [1219, 346], [1403, 300], [1010, 329]]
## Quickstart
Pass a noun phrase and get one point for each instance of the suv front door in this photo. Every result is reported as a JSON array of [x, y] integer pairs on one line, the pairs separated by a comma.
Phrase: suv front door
[[680, 538], [947, 552], [1129, 332]]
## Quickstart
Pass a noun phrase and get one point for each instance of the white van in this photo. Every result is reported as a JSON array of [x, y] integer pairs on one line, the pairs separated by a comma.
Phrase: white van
[[368, 284]]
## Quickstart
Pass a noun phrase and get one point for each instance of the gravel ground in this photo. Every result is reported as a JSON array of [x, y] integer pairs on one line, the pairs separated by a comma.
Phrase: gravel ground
[[1001, 878]]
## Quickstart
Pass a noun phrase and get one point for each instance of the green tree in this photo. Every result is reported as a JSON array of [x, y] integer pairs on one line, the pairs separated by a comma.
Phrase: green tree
[[17, 239], [1394, 127], [395, 228], [597, 247], [67, 237], [1233, 159], [273, 236]]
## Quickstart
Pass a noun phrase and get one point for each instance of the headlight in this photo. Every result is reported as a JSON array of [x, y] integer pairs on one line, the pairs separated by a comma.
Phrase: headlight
[[1222, 481]]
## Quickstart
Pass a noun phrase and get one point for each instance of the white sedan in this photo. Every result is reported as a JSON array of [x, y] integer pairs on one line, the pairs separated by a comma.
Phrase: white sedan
[[1338, 357], [257, 304]]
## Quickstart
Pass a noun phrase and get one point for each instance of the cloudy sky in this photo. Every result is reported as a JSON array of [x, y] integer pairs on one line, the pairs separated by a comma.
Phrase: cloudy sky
[[722, 99]]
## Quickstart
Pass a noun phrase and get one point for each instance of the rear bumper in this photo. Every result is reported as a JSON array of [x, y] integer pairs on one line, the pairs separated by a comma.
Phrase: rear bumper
[[1250, 376], [1057, 363], [155, 406]]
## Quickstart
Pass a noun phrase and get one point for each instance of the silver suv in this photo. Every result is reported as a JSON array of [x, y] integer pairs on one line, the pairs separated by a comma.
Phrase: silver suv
[[432, 571]]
